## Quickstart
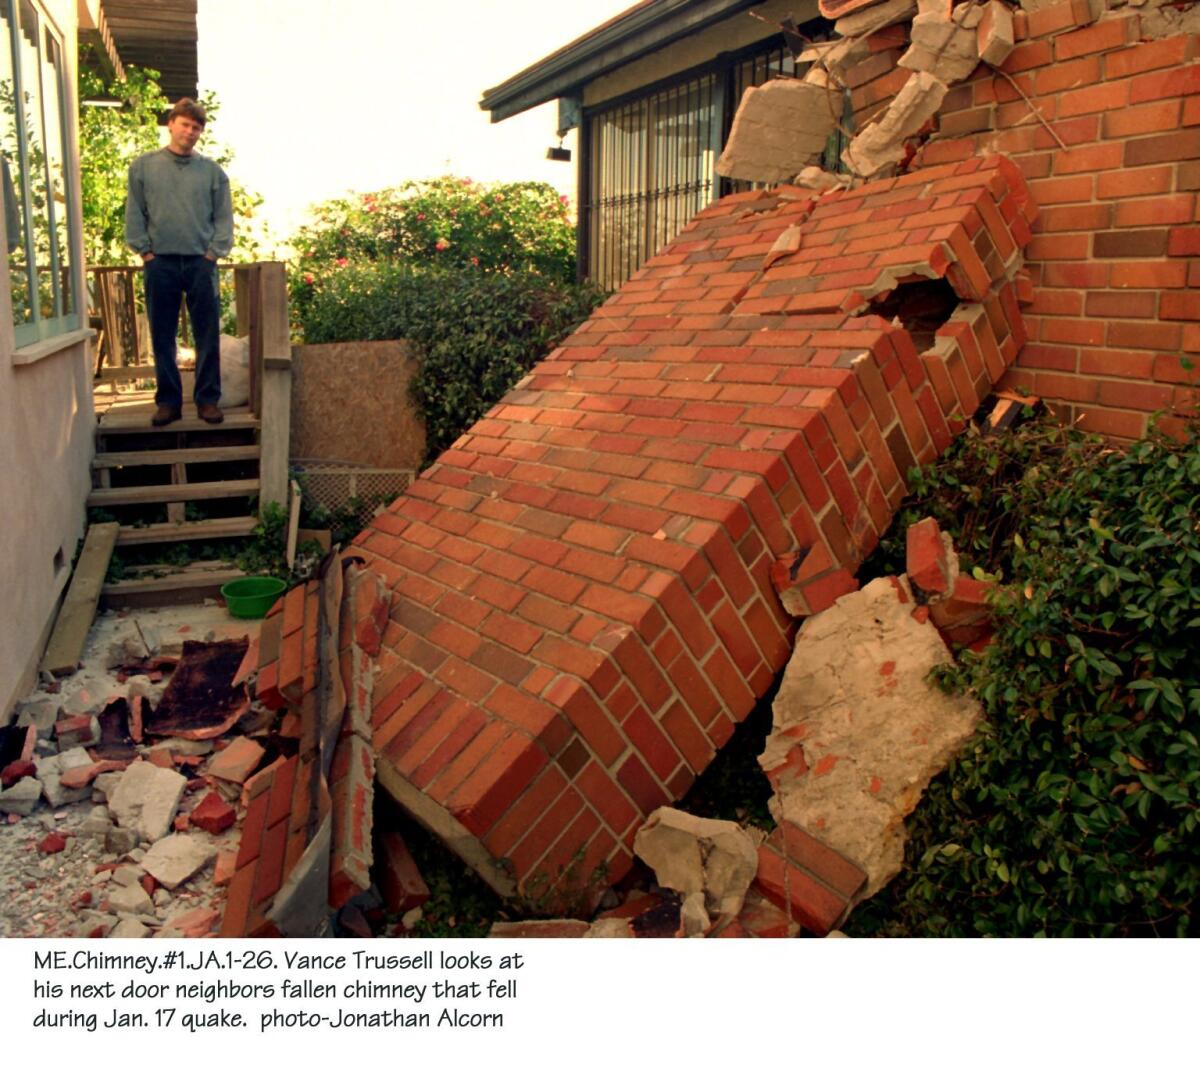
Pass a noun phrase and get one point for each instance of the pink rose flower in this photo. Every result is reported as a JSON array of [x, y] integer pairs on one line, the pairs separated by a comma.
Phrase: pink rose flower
[[441, 244]]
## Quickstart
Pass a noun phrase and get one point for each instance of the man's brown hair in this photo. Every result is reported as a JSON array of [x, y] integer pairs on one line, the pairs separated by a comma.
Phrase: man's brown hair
[[188, 107]]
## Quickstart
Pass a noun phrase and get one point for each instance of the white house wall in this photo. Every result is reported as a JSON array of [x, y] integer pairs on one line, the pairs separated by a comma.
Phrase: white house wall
[[46, 446]]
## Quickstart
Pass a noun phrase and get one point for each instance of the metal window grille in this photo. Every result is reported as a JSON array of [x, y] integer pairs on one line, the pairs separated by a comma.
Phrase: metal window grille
[[650, 160], [651, 170]]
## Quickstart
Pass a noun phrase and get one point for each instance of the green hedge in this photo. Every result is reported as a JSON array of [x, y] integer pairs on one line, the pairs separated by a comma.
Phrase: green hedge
[[476, 334], [1074, 810]]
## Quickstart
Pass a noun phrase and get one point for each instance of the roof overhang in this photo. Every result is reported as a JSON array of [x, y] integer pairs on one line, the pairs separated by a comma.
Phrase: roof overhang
[[645, 27], [160, 35]]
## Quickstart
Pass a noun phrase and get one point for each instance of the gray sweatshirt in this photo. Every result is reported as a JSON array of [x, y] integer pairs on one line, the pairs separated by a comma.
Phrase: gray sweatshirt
[[178, 204]]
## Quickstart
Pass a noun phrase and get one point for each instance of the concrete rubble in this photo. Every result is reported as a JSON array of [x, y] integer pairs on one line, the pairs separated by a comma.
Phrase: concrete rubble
[[780, 128], [709, 863], [859, 731]]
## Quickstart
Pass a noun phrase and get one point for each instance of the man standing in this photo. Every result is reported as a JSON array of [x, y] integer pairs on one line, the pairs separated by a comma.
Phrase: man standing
[[179, 220]]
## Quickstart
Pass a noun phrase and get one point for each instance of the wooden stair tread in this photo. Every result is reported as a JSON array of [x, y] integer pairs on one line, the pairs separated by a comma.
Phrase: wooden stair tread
[[213, 528], [184, 455], [182, 586], [180, 492], [135, 420]]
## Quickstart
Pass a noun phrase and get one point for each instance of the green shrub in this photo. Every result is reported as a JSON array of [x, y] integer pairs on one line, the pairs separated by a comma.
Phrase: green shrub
[[1073, 810], [476, 333], [446, 222]]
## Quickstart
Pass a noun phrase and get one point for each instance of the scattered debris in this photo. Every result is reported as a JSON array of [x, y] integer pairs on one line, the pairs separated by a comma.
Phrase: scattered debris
[[709, 862]]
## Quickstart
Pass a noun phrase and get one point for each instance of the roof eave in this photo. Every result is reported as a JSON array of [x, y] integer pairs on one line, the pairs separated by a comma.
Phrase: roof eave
[[638, 31]]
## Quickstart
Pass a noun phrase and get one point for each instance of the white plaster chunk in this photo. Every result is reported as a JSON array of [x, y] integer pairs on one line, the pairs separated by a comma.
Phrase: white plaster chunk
[[876, 17], [780, 127], [22, 797], [814, 178], [946, 47], [995, 33], [51, 768], [146, 798], [130, 900], [131, 928], [709, 862], [174, 859], [882, 142], [873, 731]]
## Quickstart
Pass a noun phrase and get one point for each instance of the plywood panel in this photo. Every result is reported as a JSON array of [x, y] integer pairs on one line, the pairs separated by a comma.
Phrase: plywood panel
[[350, 403]]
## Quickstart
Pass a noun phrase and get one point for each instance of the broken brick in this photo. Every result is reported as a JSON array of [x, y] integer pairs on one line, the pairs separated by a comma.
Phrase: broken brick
[[213, 814], [52, 843], [927, 557], [399, 880], [237, 761]]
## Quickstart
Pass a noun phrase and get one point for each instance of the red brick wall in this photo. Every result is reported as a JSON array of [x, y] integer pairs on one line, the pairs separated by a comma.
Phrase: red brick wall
[[1115, 257]]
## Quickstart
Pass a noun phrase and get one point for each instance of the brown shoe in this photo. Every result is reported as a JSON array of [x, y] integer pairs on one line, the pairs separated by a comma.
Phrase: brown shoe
[[210, 414], [165, 414]]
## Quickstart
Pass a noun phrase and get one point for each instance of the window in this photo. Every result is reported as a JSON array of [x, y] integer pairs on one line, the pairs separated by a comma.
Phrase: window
[[36, 189], [649, 160], [652, 165]]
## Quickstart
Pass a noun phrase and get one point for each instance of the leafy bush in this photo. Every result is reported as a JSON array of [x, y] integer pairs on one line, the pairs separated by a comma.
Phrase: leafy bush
[[476, 333], [1074, 809], [446, 222]]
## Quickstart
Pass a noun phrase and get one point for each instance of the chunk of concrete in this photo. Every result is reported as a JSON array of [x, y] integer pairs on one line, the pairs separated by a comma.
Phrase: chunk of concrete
[[120, 841], [146, 799], [946, 46], [44, 714], [876, 17], [779, 128], [881, 144], [130, 900], [50, 771], [174, 859], [711, 863], [858, 731], [22, 797], [131, 928], [815, 178]]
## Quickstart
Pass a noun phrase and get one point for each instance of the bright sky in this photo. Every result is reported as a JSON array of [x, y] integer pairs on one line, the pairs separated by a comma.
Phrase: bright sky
[[319, 97]]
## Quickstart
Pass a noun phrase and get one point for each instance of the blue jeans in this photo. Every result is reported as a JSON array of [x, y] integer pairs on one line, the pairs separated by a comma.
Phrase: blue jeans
[[168, 278]]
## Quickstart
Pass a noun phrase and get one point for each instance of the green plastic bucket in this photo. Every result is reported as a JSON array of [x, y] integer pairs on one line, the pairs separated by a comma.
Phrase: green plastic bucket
[[252, 596]]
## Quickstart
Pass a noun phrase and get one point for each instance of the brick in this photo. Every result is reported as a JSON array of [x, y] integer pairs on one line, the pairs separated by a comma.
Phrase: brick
[[927, 556], [1101, 37], [1128, 243], [400, 881], [1155, 211], [1163, 148]]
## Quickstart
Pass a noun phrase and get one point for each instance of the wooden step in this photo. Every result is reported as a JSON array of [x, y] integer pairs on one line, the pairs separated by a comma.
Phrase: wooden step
[[187, 455], [191, 585], [180, 492], [214, 528], [135, 420]]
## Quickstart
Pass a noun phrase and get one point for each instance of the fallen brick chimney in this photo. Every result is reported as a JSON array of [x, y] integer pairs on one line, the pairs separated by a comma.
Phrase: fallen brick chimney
[[584, 598]]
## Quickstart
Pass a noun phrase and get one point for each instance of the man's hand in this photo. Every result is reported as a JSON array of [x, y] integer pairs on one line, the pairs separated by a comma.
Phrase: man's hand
[[147, 257], [209, 256]]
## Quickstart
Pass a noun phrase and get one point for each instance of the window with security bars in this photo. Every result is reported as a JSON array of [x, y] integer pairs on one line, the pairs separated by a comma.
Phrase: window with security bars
[[650, 161], [651, 170]]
